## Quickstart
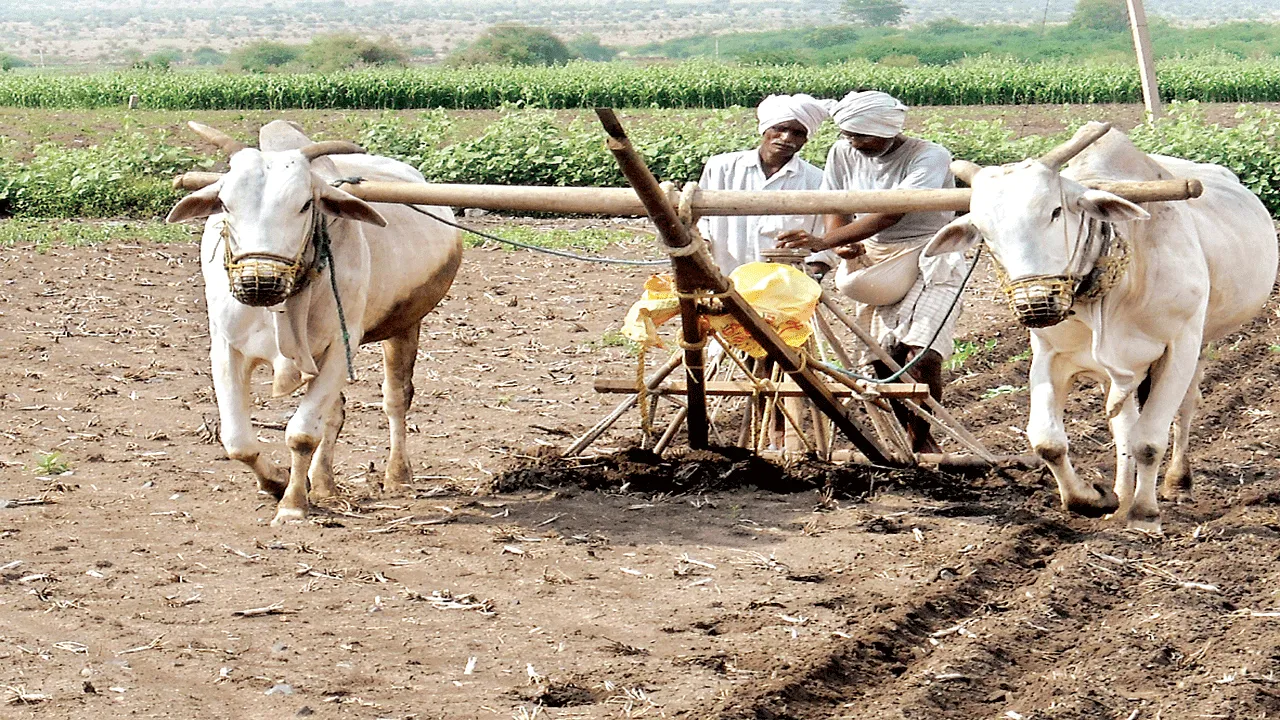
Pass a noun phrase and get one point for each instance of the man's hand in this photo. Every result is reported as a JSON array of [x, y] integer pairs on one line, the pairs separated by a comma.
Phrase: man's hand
[[850, 251], [802, 239], [817, 270]]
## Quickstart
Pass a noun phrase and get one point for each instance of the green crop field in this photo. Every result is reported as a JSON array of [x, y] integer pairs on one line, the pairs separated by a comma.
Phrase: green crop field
[[116, 164], [981, 81]]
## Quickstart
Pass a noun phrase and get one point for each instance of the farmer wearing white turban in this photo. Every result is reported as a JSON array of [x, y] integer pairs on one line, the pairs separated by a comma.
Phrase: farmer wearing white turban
[[786, 122], [902, 297], [870, 112], [804, 109]]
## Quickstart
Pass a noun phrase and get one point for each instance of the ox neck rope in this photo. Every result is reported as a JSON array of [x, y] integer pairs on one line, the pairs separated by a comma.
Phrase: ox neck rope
[[299, 273], [324, 258]]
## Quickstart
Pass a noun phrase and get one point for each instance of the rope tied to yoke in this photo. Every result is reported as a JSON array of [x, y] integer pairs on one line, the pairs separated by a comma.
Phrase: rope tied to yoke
[[514, 243], [684, 210]]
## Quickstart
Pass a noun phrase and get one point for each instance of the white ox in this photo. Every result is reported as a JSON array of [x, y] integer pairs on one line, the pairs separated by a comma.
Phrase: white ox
[[271, 300], [1196, 271]]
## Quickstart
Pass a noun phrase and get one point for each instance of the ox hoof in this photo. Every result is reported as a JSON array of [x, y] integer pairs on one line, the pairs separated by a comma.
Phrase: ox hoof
[[322, 491], [1106, 503], [1177, 496], [1146, 524], [395, 488], [288, 515], [274, 488]]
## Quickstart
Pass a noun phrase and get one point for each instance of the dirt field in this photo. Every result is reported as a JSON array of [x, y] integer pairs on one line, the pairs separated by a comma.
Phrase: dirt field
[[705, 589]]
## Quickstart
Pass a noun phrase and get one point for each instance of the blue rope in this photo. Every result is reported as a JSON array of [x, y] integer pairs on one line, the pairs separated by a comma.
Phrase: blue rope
[[907, 368]]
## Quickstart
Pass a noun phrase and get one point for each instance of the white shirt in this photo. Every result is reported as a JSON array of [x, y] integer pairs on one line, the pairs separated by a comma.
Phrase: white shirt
[[914, 164], [738, 239]]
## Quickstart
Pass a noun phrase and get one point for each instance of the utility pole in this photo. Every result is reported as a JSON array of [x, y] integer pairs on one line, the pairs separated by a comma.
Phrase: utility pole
[[1146, 62]]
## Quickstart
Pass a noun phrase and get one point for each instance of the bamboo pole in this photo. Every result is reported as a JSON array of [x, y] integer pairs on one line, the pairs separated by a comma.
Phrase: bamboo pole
[[651, 383], [623, 202], [674, 426], [694, 272], [671, 431], [936, 407]]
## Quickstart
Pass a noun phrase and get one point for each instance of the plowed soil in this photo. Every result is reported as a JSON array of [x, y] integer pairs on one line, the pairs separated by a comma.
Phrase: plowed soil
[[139, 576]]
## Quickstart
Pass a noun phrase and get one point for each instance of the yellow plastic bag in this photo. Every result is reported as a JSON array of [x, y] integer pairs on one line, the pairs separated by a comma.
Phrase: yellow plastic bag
[[657, 305], [784, 296]]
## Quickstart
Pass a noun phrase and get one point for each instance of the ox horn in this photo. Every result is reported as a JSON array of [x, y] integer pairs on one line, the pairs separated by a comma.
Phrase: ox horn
[[224, 141], [965, 170], [1084, 137], [331, 147]]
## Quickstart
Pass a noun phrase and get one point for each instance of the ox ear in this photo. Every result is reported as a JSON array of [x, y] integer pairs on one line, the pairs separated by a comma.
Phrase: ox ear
[[1111, 208], [201, 203], [345, 205], [956, 236]]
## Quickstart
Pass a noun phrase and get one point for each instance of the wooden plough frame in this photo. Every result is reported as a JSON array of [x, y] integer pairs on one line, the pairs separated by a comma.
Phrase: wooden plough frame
[[702, 288]]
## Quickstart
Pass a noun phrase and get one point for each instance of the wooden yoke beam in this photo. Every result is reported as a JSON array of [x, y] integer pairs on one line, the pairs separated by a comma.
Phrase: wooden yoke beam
[[695, 272], [622, 202]]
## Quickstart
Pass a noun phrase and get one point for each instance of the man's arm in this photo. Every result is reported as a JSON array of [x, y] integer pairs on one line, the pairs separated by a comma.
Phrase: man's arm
[[841, 233]]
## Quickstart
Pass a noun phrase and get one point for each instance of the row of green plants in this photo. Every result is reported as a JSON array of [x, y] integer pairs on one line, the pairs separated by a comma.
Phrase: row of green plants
[[698, 84], [533, 148], [129, 175]]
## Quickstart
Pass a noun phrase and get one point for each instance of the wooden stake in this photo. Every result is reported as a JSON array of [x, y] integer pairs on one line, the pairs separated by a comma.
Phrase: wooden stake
[[694, 272], [1146, 60]]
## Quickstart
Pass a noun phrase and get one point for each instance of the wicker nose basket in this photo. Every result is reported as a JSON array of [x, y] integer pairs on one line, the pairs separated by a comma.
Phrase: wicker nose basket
[[1040, 302], [262, 283]]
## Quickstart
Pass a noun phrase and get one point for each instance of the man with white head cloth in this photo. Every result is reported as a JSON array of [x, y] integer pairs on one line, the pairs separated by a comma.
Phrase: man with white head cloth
[[901, 297], [785, 124]]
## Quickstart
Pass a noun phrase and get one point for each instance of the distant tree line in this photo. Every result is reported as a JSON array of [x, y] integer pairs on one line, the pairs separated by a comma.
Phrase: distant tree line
[[875, 30], [503, 44]]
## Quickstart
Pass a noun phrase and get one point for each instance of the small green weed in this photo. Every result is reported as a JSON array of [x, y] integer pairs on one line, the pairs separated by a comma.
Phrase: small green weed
[[51, 463], [966, 350], [45, 234], [1274, 348], [615, 338], [1002, 390], [1024, 355]]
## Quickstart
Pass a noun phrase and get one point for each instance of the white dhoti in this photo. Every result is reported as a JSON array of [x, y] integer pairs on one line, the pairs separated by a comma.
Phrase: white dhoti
[[920, 318]]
